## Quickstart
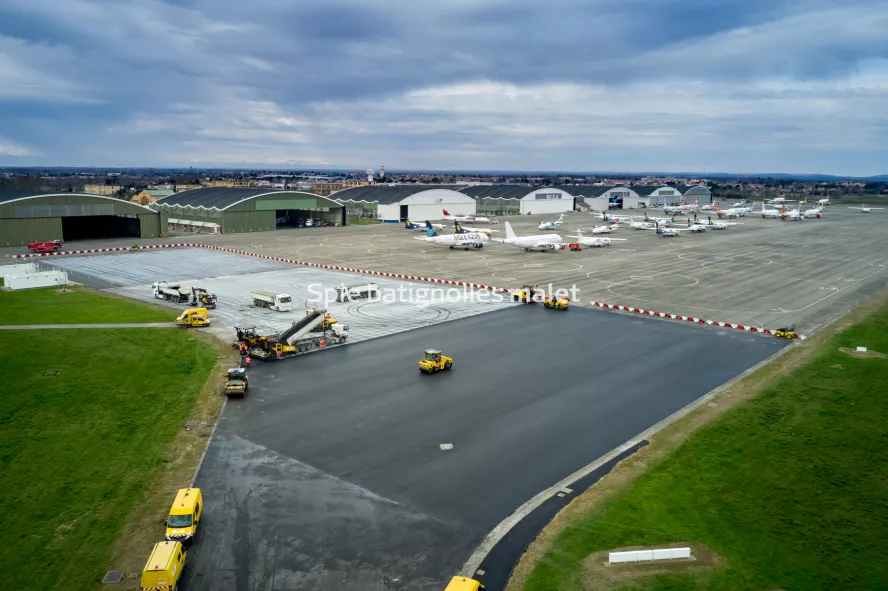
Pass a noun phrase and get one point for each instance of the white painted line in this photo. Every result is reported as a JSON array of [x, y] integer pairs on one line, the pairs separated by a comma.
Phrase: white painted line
[[500, 531]]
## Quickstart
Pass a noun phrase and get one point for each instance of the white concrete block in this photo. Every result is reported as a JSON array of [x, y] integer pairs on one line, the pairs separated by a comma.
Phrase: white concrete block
[[632, 556], [671, 553], [46, 279], [861, 349], [17, 269]]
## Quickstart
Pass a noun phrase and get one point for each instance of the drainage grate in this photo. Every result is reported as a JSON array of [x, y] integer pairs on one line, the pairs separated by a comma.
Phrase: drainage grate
[[113, 576]]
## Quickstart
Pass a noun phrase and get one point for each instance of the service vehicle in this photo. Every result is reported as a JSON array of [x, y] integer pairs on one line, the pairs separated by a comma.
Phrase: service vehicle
[[464, 584], [525, 294], [354, 292], [246, 336], [279, 302], [164, 567], [203, 298], [181, 525], [237, 383], [300, 337], [46, 246], [787, 332], [171, 292], [193, 318], [326, 324], [434, 361], [556, 302]]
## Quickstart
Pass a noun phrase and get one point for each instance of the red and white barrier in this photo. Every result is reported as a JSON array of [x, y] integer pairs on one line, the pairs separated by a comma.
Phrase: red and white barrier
[[491, 288]]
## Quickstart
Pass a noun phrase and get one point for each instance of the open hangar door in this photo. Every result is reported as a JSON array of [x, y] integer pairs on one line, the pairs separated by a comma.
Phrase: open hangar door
[[100, 226], [300, 218]]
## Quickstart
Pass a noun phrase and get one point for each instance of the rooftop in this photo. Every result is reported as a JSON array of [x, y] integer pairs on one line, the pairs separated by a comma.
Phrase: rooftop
[[385, 195], [221, 197]]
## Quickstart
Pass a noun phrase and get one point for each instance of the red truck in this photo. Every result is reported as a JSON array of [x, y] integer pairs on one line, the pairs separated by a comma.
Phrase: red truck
[[51, 246]]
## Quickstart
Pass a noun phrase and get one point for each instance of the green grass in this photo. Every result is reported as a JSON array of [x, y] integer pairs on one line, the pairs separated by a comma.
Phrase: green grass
[[79, 306], [79, 449], [364, 223], [791, 489]]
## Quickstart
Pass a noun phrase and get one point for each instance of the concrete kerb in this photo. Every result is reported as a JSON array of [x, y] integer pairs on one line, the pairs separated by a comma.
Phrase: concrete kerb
[[501, 530], [491, 288]]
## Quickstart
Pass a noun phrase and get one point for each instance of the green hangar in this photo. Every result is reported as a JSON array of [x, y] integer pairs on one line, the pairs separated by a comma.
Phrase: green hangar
[[229, 210], [27, 217]]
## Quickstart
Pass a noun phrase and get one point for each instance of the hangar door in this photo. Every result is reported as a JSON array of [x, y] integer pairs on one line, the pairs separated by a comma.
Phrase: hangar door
[[547, 202], [299, 212]]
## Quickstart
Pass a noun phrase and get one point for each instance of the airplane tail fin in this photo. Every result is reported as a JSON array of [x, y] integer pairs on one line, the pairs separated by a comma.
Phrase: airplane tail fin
[[409, 225], [447, 213], [509, 232], [580, 234], [457, 228], [561, 219], [430, 230]]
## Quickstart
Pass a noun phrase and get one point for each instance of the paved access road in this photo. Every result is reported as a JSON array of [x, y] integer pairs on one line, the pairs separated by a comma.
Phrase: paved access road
[[330, 474]]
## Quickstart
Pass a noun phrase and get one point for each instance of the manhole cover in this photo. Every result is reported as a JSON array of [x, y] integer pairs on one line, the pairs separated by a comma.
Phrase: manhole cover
[[113, 576], [190, 423]]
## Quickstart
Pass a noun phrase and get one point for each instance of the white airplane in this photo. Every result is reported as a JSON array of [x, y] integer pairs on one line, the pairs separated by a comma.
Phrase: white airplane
[[779, 200], [643, 225], [822, 202], [866, 209], [543, 242], [734, 212], [593, 241], [710, 225], [667, 232], [464, 218], [696, 227], [793, 215], [609, 218], [661, 221], [770, 213], [458, 228], [813, 213], [682, 209], [604, 229], [465, 240], [552, 225], [420, 227]]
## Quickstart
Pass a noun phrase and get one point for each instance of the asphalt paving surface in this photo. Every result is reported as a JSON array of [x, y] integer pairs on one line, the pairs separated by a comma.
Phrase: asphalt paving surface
[[330, 474]]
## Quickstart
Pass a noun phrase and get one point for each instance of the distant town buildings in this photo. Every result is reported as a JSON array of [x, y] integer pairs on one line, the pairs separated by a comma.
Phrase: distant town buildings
[[101, 189]]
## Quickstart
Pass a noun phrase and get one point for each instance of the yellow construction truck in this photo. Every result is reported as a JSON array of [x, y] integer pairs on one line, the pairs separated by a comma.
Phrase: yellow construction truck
[[193, 318], [434, 361], [237, 383], [325, 325], [525, 294], [301, 337], [556, 302]]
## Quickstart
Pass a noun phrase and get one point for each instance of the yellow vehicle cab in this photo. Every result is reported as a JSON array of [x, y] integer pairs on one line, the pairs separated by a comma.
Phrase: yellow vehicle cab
[[164, 567], [193, 317], [464, 584], [181, 525], [434, 361]]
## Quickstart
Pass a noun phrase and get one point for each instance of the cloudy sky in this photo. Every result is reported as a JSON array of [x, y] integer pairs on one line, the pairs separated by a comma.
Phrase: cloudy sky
[[582, 85]]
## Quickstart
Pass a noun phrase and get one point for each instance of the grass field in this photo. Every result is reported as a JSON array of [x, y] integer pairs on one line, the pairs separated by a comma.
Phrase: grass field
[[86, 422], [78, 306], [788, 489]]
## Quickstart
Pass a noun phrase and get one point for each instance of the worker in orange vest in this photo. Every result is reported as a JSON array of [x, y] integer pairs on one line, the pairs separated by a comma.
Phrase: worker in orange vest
[[247, 361]]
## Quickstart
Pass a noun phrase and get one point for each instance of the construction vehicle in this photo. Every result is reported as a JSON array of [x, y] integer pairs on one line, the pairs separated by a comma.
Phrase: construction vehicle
[[786, 332], [237, 382], [464, 584], [164, 566], [299, 338], [193, 318], [434, 361], [556, 302], [134, 248], [575, 247], [525, 294], [46, 246], [280, 302], [347, 294], [326, 324], [246, 336], [201, 297], [171, 292]]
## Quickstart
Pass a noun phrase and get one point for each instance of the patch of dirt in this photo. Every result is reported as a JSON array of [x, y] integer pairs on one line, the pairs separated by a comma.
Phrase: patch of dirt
[[671, 437], [862, 354], [600, 575], [145, 526]]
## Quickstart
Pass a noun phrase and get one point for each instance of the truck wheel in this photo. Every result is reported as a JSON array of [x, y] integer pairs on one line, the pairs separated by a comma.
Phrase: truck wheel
[[448, 365]]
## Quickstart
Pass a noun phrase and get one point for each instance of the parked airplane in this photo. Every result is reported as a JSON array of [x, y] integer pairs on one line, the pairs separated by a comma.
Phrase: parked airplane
[[609, 218], [464, 218], [593, 241], [661, 221], [813, 213], [604, 229], [707, 207], [643, 225], [411, 225], [710, 225], [734, 212], [793, 215], [822, 202], [464, 240], [779, 200], [667, 232], [460, 229], [770, 213], [696, 227], [552, 225], [866, 209], [682, 209], [543, 241]]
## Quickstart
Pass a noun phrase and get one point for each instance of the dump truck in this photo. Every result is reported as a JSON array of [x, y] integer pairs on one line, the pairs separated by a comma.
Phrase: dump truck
[[171, 292], [355, 292], [46, 246], [237, 383], [193, 318], [300, 338], [280, 302], [201, 297]]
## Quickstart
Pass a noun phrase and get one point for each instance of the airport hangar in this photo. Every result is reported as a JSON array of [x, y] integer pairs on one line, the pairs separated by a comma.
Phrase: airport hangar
[[400, 202], [26, 217], [632, 197], [232, 210], [511, 199]]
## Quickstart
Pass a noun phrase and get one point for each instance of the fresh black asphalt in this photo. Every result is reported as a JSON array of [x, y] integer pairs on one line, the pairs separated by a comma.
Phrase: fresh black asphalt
[[330, 475]]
